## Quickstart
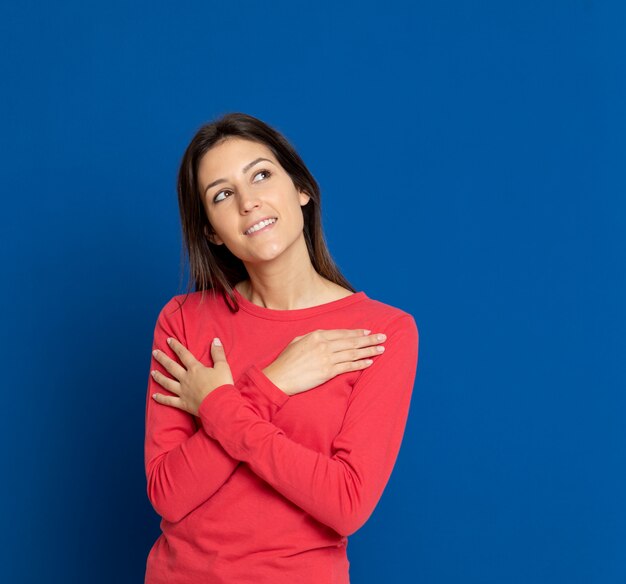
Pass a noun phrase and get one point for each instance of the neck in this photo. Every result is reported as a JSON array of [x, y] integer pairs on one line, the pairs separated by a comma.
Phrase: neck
[[288, 283]]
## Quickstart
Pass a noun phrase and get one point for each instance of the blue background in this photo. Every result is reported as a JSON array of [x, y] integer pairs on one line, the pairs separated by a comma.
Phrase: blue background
[[471, 157]]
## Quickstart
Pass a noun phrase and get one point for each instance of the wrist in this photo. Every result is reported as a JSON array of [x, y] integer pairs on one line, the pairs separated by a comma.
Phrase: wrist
[[274, 377]]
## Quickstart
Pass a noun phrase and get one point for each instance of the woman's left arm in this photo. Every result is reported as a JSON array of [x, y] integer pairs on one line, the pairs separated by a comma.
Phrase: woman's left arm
[[341, 490]]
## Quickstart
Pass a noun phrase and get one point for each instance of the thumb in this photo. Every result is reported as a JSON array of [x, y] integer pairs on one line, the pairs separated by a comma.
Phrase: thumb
[[217, 351]]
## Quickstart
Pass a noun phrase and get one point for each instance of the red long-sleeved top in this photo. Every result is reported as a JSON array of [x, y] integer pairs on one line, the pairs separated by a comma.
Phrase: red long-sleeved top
[[262, 486]]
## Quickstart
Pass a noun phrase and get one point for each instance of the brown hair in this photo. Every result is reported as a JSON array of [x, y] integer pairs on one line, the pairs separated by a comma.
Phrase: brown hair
[[214, 267]]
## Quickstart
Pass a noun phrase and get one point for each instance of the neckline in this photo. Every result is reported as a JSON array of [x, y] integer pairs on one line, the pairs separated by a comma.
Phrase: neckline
[[296, 313]]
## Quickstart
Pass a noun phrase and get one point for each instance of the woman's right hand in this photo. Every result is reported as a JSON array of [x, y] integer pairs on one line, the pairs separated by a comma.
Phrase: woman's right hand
[[312, 359]]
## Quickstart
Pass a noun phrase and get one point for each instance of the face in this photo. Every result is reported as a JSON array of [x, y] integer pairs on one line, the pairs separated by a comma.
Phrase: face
[[242, 183]]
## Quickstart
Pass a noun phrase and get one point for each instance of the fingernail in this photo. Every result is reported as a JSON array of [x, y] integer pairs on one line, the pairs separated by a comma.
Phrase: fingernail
[[169, 340], [366, 332], [217, 342]]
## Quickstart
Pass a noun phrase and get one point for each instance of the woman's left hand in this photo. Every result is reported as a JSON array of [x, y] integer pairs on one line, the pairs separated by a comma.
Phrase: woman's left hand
[[194, 381]]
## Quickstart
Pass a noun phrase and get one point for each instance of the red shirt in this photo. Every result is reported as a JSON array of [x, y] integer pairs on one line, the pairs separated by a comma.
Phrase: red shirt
[[262, 486]]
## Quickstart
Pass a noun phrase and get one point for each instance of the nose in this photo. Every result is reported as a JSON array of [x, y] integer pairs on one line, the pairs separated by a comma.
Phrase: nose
[[248, 201]]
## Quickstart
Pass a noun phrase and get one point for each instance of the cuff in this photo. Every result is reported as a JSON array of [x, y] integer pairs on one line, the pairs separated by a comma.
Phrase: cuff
[[209, 408], [272, 392]]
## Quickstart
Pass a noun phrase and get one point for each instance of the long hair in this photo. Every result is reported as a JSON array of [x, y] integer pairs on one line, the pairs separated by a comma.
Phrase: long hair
[[214, 267]]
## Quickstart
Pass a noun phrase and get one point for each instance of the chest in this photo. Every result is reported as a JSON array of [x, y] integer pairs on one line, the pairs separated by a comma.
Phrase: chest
[[312, 418]]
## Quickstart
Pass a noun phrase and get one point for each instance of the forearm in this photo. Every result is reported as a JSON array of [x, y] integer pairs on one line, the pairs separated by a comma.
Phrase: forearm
[[181, 477], [340, 490], [325, 487]]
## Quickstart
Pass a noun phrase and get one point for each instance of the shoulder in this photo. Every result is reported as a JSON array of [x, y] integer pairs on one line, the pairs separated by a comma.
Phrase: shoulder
[[389, 315], [402, 343], [182, 306]]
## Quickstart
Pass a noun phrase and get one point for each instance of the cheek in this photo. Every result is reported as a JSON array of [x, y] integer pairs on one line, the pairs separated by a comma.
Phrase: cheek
[[221, 225], [297, 214]]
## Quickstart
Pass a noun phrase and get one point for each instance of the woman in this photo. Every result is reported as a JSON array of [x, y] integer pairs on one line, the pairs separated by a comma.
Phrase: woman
[[276, 404]]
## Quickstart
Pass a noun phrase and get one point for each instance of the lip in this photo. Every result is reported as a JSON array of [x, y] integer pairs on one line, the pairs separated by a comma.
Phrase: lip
[[258, 221]]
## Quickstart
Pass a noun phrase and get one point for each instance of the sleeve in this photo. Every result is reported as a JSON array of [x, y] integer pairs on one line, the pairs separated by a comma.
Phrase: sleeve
[[341, 490], [184, 466]]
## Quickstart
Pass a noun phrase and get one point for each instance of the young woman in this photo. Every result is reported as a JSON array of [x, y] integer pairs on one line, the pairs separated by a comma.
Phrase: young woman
[[278, 394]]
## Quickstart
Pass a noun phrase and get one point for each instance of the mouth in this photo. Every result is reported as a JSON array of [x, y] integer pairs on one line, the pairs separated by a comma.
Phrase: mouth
[[261, 226]]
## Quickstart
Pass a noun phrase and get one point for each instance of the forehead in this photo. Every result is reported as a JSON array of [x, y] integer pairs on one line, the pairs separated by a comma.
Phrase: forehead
[[229, 157]]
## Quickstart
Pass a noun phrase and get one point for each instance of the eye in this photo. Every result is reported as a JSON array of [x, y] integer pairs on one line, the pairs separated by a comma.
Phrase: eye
[[266, 172], [216, 200]]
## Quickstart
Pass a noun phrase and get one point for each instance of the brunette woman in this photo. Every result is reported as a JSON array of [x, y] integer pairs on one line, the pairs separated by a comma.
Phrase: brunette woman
[[278, 394]]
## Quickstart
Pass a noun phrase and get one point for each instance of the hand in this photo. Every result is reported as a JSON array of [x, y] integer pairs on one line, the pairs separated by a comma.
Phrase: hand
[[195, 381], [314, 358]]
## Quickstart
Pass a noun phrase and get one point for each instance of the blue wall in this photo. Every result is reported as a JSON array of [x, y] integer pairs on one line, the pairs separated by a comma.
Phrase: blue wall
[[472, 162]]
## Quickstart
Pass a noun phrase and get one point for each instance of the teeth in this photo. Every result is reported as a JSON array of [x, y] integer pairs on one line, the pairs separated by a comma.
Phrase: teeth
[[260, 225]]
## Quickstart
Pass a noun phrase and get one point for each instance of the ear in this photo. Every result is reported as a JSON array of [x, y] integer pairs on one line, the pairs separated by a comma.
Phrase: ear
[[304, 198], [212, 237]]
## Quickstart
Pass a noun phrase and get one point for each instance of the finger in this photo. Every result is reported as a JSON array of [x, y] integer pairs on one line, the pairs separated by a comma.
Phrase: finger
[[351, 366], [357, 354], [168, 400], [166, 382], [333, 334], [217, 351], [184, 354], [169, 365], [346, 343]]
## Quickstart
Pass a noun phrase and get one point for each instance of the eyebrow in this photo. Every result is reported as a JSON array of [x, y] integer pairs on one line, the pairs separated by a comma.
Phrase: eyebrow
[[245, 169]]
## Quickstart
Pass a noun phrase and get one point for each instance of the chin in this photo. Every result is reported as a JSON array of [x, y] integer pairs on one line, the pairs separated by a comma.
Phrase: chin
[[265, 251], [265, 257], [268, 253]]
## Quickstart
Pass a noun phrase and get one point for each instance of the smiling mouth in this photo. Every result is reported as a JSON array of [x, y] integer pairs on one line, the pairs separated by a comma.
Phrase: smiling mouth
[[261, 226]]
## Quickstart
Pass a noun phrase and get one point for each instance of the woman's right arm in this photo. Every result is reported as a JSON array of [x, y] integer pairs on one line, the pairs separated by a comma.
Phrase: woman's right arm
[[185, 467]]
